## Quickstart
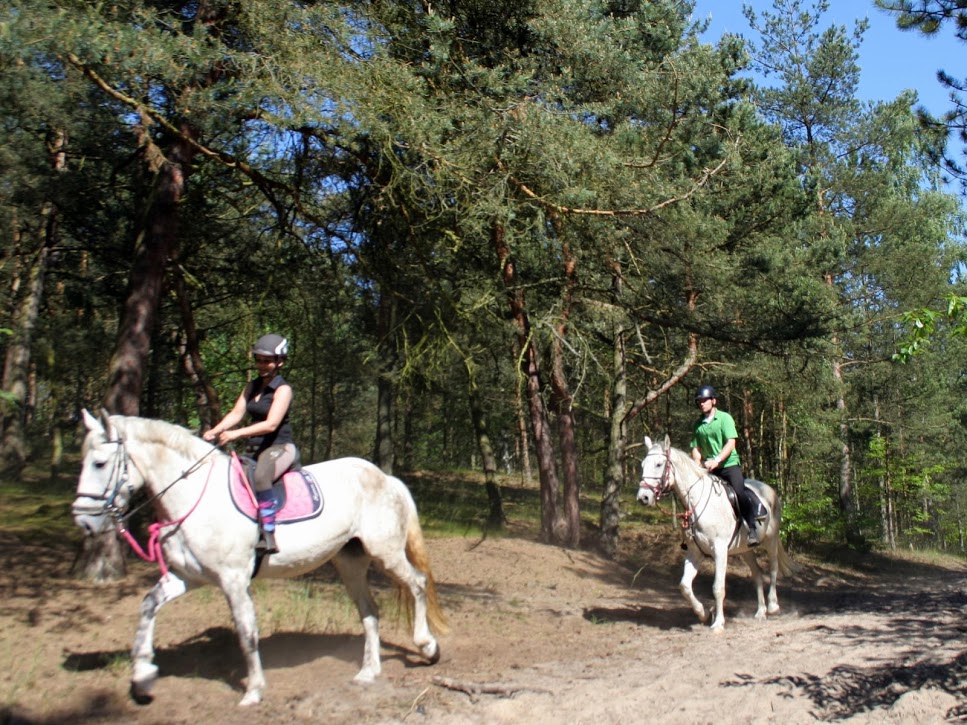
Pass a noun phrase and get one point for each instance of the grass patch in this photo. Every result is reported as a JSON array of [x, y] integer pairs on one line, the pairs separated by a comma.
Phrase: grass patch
[[455, 503], [35, 507]]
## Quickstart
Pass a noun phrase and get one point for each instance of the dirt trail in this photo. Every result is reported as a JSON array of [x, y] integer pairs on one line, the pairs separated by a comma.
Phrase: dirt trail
[[539, 635]]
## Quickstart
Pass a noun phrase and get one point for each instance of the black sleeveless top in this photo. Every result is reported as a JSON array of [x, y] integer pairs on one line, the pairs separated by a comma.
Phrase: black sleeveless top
[[259, 411]]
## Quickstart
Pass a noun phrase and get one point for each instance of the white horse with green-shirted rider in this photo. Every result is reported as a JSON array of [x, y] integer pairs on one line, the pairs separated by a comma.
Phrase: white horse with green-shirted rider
[[712, 527]]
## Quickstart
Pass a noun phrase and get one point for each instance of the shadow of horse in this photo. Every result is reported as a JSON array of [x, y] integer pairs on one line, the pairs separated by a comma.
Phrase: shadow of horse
[[655, 617], [204, 655]]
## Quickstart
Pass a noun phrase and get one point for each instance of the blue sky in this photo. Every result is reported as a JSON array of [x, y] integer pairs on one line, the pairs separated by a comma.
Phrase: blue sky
[[891, 60]]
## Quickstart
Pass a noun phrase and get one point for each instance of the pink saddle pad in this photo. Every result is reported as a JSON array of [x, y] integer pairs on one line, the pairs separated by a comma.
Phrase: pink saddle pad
[[303, 499]]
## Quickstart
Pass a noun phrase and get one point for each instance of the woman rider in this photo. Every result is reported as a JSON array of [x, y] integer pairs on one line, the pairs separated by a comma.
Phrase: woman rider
[[266, 399]]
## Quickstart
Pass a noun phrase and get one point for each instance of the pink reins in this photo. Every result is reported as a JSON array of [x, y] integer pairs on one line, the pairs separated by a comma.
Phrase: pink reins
[[154, 552]]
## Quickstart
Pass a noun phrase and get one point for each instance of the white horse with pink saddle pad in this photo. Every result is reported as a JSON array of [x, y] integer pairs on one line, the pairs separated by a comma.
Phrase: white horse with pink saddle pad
[[204, 536]]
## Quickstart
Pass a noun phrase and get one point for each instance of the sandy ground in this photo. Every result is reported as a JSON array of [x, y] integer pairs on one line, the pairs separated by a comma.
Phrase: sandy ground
[[539, 635]]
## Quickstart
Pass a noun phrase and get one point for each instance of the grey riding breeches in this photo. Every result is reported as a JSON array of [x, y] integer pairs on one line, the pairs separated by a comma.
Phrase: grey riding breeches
[[272, 463]]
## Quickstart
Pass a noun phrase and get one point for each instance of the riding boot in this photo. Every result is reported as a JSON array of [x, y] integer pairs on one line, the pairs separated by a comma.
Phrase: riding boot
[[748, 508], [268, 507], [753, 537]]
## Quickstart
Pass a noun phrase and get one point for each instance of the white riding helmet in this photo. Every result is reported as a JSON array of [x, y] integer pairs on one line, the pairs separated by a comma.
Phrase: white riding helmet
[[271, 344]]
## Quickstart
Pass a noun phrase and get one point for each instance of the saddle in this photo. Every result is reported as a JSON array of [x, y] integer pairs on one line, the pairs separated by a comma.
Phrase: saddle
[[760, 510], [297, 492]]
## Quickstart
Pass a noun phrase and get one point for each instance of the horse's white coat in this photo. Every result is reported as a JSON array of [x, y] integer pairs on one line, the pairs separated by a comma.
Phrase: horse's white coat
[[712, 526], [216, 544]]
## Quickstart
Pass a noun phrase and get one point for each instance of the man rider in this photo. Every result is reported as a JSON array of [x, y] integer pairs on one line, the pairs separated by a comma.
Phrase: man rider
[[713, 447]]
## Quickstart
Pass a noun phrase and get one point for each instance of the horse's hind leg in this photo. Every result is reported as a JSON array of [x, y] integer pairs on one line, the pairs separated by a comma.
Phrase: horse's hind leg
[[145, 671], [756, 570], [352, 564], [415, 582]]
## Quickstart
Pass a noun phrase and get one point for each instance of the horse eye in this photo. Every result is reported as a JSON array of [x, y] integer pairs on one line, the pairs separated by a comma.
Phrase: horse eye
[[100, 464]]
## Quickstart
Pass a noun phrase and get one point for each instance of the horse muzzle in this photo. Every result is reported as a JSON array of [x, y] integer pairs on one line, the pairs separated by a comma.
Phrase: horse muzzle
[[646, 495], [92, 519]]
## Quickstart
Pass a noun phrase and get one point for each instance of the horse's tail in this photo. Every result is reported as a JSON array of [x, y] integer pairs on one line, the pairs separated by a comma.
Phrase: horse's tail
[[787, 567], [416, 553]]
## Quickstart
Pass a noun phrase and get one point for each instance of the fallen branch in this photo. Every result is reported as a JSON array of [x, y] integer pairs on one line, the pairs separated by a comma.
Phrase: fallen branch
[[473, 689]]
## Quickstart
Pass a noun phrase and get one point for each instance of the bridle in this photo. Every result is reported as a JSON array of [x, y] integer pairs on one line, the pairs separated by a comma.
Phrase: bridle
[[106, 500], [663, 482], [119, 473]]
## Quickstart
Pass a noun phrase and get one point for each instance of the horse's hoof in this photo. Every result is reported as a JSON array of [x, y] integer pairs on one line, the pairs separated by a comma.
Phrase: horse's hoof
[[364, 677], [142, 682], [431, 652], [140, 697], [251, 698]]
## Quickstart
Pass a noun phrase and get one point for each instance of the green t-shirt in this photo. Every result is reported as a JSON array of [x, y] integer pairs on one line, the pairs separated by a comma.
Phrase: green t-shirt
[[710, 438]]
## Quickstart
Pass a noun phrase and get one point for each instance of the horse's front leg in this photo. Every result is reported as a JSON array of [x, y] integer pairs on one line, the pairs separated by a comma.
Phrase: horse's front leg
[[145, 672], [753, 562], [692, 558], [720, 554], [236, 590]]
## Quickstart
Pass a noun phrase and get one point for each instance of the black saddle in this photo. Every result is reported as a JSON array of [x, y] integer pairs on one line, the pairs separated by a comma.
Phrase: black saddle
[[760, 509]]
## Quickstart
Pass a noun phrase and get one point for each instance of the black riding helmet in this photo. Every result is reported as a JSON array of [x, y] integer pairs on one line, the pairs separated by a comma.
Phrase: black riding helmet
[[271, 344], [705, 391]]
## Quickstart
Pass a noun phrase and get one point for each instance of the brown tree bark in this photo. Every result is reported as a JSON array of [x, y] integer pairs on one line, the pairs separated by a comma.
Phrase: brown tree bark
[[496, 518], [206, 397], [552, 525], [383, 448], [564, 408], [155, 246], [16, 369], [617, 445]]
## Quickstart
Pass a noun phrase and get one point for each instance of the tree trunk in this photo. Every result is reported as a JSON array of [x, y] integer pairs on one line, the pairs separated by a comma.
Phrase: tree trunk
[[16, 369], [495, 518], [155, 246], [522, 440], [564, 408], [617, 445], [551, 525], [16, 372], [157, 243], [206, 397], [383, 453]]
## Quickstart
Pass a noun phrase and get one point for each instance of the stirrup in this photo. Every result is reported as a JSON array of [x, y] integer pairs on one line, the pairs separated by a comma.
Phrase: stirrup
[[266, 544]]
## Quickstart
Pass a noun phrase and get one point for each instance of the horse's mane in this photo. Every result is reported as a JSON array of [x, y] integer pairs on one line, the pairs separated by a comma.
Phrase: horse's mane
[[684, 460], [177, 439]]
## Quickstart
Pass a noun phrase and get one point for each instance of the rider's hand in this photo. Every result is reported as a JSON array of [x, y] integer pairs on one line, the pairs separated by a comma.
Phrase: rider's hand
[[219, 439]]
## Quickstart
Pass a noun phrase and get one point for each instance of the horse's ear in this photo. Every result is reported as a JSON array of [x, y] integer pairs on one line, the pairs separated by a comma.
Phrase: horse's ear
[[667, 443], [90, 422], [648, 443], [106, 422]]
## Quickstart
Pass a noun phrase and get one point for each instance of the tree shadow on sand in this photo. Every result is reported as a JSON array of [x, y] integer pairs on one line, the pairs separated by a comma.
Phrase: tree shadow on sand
[[846, 691]]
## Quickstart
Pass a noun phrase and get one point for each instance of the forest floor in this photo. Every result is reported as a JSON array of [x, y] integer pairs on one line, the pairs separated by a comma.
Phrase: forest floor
[[539, 635]]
